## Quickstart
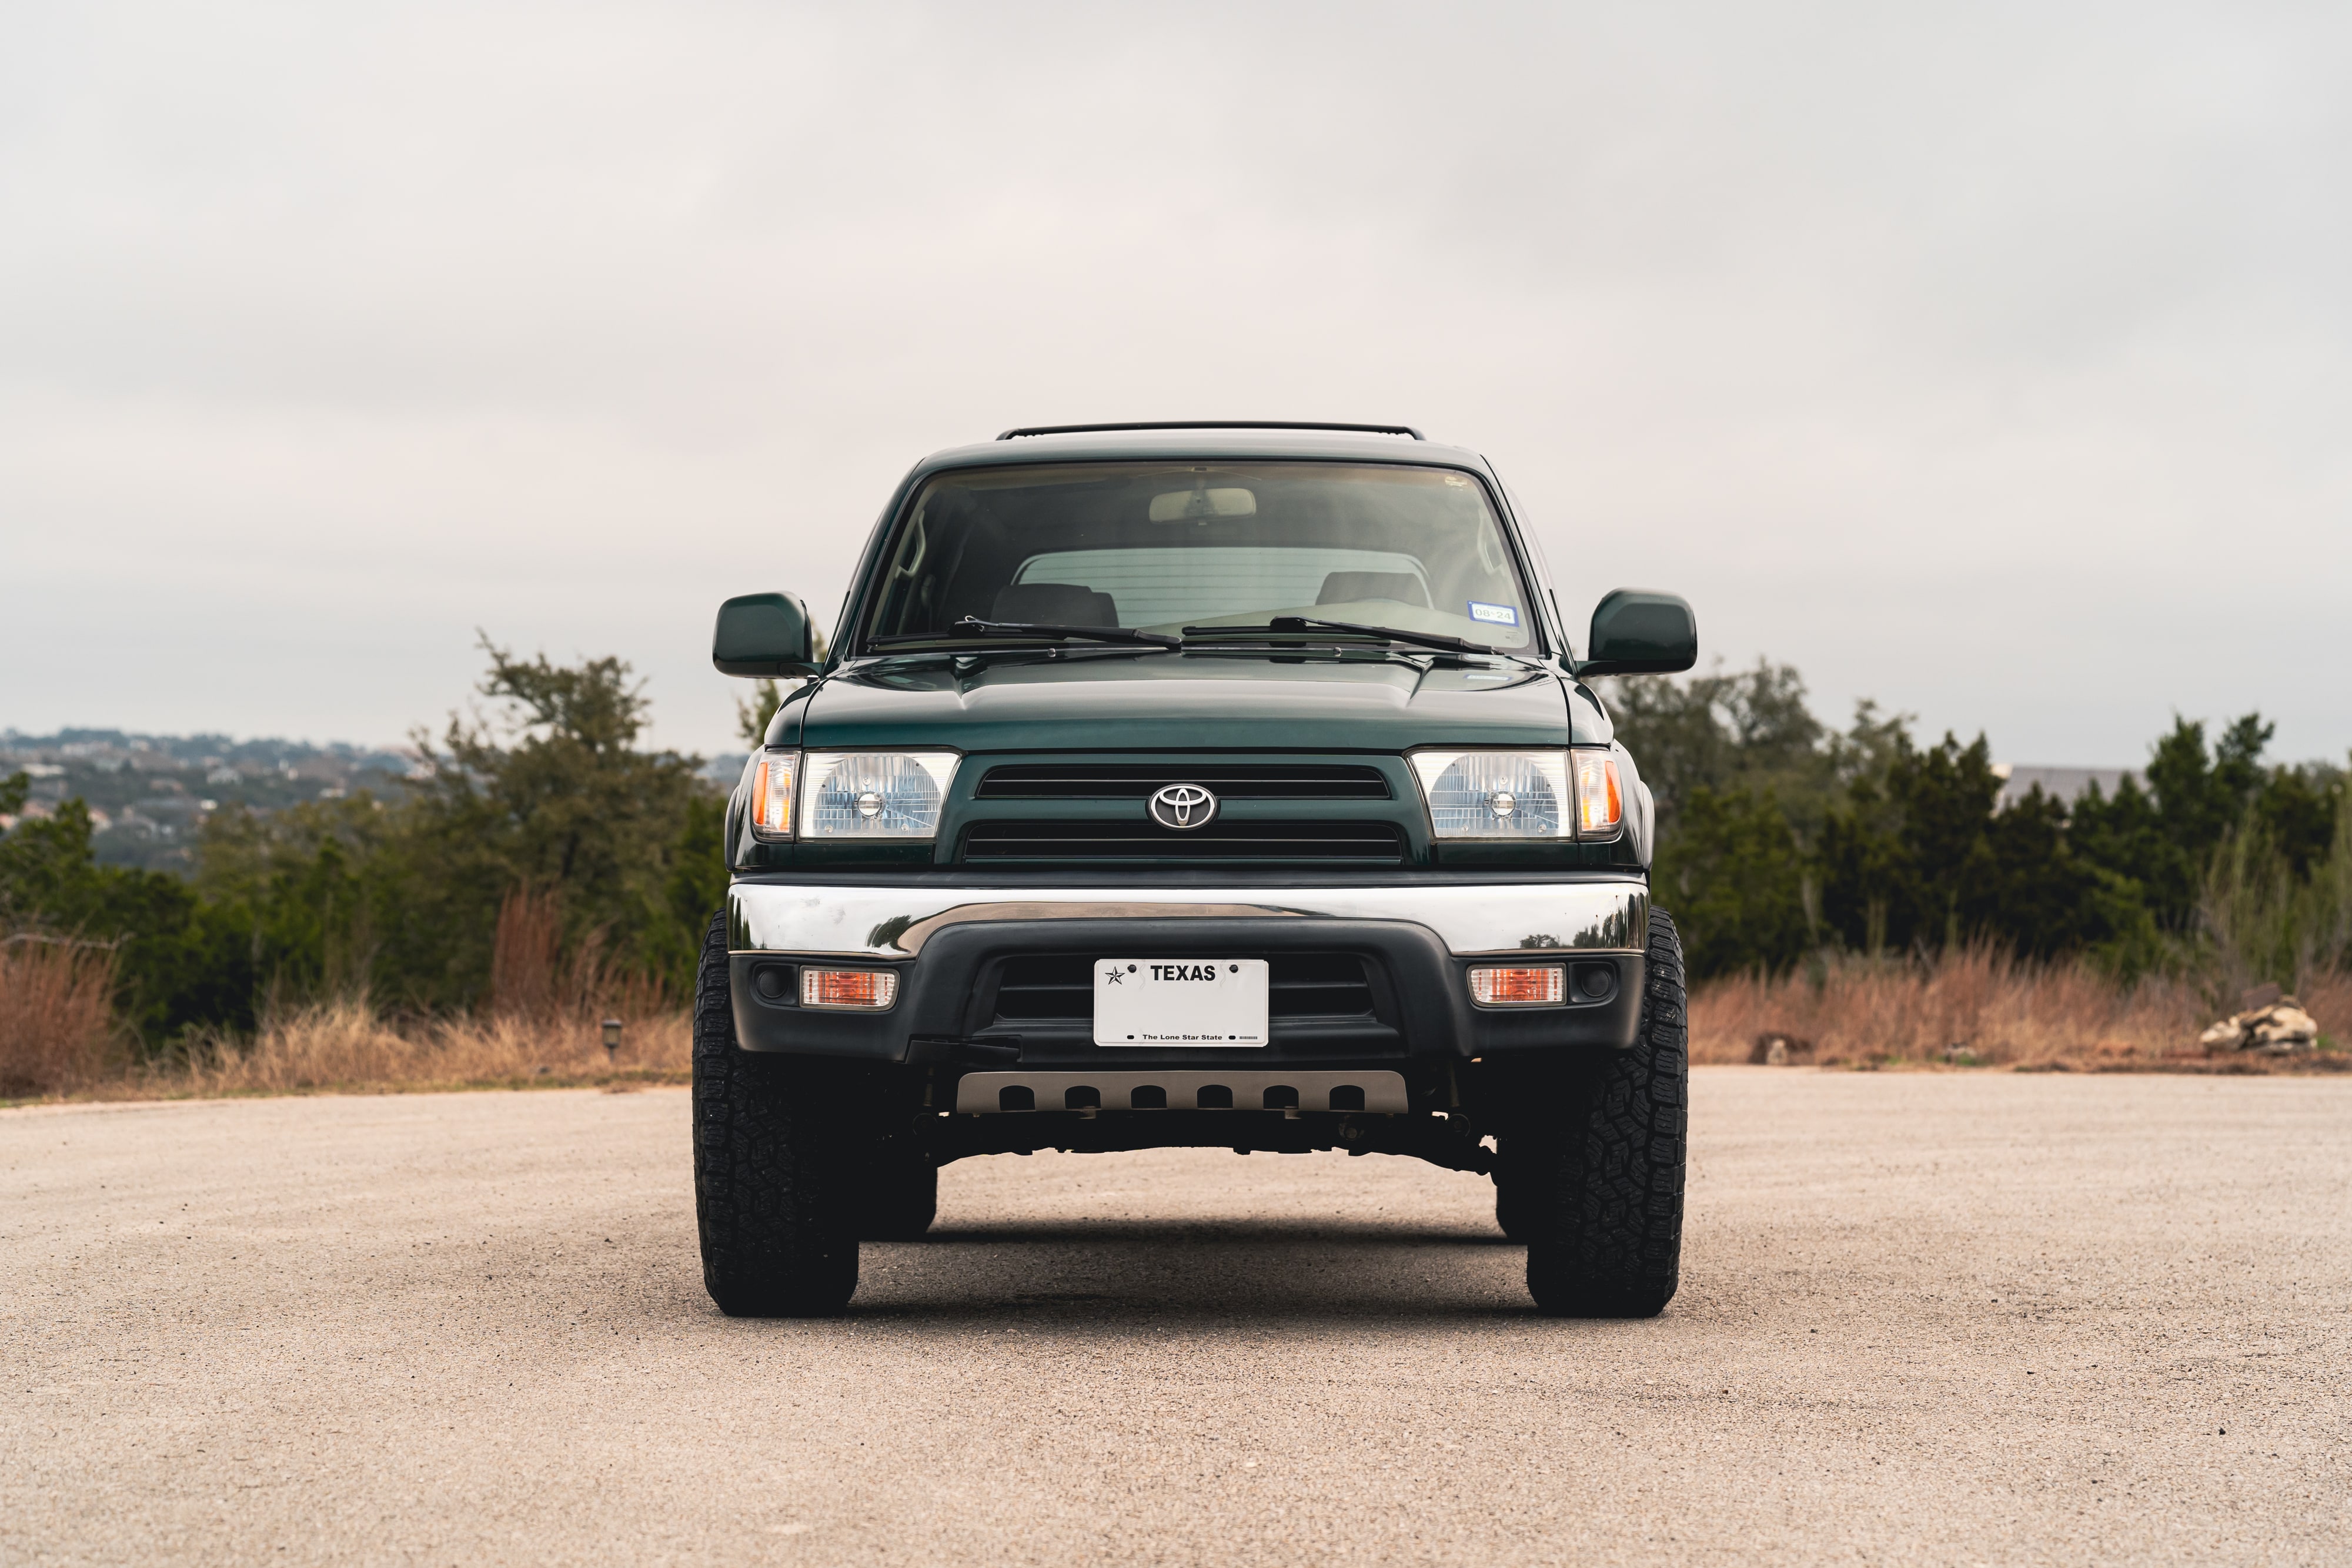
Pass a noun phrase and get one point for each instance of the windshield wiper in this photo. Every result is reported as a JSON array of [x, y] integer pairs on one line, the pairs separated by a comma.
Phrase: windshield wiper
[[1395, 634], [972, 626]]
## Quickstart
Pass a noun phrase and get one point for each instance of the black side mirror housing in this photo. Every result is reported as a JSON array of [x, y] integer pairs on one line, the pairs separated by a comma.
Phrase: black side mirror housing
[[766, 635], [1638, 632]]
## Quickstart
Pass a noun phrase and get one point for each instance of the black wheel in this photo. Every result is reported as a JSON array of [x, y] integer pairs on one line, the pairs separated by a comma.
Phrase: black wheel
[[899, 1197], [1603, 1187], [778, 1235]]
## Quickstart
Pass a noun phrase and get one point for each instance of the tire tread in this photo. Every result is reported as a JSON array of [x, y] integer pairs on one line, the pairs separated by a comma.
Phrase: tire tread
[[1613, 1246], [774, 1244]]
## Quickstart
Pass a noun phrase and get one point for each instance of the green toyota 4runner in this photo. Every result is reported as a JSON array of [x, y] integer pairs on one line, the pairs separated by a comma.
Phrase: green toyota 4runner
[[1218, 785]]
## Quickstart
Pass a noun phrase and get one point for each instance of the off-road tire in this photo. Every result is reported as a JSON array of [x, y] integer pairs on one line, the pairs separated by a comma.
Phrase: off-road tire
[[778, 1232], [1603, 1193], [899, 1197]]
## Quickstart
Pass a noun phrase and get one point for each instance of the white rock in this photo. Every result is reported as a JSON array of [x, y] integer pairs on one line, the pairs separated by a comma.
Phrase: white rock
[[2225, 1033], [2284, 1029]]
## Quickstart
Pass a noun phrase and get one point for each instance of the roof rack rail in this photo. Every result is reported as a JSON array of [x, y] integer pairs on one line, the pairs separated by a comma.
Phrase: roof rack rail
[[1213, 424]]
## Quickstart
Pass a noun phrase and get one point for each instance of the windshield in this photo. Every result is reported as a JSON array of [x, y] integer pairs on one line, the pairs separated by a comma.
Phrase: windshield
[[1158, 547]]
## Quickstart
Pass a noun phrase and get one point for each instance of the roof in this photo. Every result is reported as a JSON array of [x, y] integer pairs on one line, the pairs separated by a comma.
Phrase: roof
[[2065, 785], [1214, 442]]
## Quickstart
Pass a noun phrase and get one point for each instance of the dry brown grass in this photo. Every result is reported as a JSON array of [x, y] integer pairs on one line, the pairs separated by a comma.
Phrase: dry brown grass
[[1979, 1007], [544, 1027], [58, 1035], [347, 1046], [57, 1031]]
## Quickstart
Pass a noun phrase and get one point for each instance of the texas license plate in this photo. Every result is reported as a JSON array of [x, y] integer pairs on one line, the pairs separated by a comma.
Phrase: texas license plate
[[1180, 1001]]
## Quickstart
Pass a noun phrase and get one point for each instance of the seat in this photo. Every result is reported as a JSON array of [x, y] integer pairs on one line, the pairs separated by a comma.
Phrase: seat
[[1349, 587], [1053, 604]]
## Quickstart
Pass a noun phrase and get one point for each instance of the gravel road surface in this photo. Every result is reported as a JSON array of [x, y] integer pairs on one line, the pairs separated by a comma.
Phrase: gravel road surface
[[1925, 1318]]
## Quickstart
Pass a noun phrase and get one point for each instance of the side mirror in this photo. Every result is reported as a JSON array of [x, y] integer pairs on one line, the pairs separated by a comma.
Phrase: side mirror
[[1637, 632], [766, 635]]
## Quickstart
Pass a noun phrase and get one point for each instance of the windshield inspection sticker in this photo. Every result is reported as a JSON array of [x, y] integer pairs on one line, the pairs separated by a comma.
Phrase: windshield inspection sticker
[[1499, 614]]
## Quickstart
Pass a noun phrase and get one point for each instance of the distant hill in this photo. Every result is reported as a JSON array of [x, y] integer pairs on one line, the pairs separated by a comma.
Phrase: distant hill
[[149, 792]]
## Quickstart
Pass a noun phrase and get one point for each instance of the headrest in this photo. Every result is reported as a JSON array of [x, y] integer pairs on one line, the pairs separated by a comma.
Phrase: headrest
[[1348, 587]]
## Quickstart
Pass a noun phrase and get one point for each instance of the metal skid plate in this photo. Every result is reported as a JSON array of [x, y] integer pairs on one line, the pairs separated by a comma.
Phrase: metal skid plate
[[1384, 1092]]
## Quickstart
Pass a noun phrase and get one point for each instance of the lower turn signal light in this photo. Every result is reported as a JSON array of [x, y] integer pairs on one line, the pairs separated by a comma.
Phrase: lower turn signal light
[[872, 989], [1541, 985]]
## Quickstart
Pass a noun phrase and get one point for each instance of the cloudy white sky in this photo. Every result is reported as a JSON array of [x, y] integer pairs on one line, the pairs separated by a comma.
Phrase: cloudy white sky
[[1990, 360]]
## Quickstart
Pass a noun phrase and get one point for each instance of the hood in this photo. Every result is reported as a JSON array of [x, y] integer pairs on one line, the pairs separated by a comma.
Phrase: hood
[[1181, 701]]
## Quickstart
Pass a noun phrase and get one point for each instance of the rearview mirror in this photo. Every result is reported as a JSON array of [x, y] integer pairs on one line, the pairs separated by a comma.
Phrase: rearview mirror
[[767, 634], [1637, 632]]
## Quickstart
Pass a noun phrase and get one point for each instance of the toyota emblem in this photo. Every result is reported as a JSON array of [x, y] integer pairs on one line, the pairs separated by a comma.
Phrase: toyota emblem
[[1182, 807]]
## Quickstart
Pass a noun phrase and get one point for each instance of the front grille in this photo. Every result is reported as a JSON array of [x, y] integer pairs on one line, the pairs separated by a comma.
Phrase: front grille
[[1231, 780], [1363, 843], [1061, 988]]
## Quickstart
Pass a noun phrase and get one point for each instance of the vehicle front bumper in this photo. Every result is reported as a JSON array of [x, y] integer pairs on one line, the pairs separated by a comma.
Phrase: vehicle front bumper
[[947, 943]]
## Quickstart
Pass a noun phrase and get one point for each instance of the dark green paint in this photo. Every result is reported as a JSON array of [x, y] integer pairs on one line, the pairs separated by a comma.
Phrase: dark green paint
[[1186, 702]]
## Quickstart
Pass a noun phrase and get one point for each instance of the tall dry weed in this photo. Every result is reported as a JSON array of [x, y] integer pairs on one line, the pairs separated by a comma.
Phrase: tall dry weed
[[1977, 1004], [531, 977], [526, 955], [57, 1031]]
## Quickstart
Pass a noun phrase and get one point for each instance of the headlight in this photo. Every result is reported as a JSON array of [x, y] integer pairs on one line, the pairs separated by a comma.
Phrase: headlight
[[873, 794], [1521, 794], [1495, 794]]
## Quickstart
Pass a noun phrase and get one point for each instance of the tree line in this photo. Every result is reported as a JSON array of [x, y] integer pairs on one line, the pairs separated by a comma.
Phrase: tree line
[[1781, 838], [546, 827], [548, 806]]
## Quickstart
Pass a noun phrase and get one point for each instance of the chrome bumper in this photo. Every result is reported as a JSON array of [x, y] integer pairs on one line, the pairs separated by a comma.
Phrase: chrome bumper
[[869, 922]]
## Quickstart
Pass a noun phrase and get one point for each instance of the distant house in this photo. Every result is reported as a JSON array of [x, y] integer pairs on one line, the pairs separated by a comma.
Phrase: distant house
[[2063, 784]]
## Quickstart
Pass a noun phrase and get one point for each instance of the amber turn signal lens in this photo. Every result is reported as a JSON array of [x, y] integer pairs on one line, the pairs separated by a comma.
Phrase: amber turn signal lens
[[1544, 986], [772, 794], [1599, 797], [875, 988]]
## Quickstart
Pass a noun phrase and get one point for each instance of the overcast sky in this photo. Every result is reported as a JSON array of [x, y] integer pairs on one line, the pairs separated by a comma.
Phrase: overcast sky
[[1988, 360]]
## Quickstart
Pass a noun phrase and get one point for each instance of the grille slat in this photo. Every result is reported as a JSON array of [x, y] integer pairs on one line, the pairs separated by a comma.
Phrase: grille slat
[[1232, 780], [1000, 841]]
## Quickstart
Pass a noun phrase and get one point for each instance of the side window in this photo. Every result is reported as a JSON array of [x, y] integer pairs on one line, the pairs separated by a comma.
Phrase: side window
[[904, 588]]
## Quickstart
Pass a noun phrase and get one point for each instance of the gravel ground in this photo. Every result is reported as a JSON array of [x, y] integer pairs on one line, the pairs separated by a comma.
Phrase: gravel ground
[[1935, 1318]]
